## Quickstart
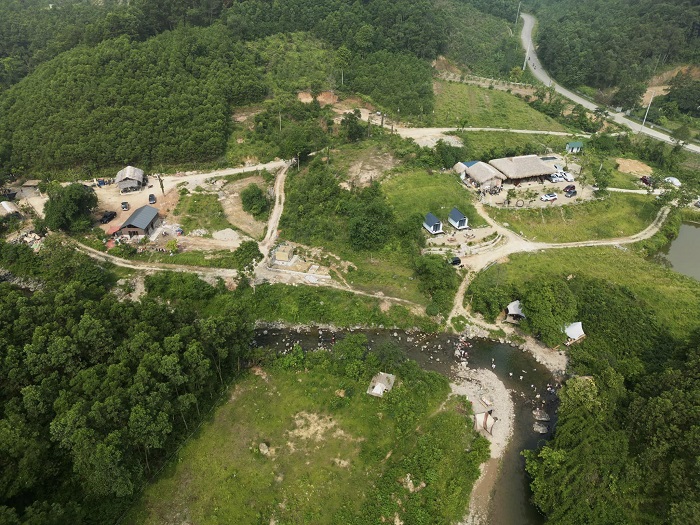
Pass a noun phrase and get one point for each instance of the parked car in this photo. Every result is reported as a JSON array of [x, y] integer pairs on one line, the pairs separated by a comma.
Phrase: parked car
[[548, 197], [570, 187], [455, 261], [125, 206], [555, 177], [568, 177], [108, 216], [571, 193], [151, 199], [646, 180]]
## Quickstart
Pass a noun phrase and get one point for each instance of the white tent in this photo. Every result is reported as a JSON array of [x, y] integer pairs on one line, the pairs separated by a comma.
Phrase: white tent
[[674, 181], [485, 421], [515, 309], [574, 331]]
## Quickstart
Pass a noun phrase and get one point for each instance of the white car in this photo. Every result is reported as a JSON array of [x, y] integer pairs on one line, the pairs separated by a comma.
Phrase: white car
[[568, 177], [548, 197], [556, 177]]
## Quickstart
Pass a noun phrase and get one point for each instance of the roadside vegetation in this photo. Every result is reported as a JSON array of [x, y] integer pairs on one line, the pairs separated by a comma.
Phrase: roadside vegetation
[[616, 215], [324, 451], [487, 145], [464, 105]]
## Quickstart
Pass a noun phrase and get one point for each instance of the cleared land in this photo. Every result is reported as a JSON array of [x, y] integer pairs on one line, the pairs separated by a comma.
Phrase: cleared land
[[618, 215], [312, 447], [419, 192], [670, 295], [459, 104]]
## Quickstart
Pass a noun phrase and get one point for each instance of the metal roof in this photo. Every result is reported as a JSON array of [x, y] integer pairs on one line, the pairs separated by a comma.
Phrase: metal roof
[[130, 173], [574, 145], [457, 215], [141, 218], [431, 219]]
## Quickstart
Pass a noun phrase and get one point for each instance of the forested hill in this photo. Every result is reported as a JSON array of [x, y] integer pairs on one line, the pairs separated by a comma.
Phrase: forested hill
[[607, 43], [87, 85]]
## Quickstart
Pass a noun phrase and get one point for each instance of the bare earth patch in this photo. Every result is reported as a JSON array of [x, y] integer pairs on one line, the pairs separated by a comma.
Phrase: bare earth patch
[[325, 98], [311, 426], [363, 172], [230, 196], [634, 167]]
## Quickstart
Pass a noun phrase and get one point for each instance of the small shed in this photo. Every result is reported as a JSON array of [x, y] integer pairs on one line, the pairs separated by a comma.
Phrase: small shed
[[141, 222], [574, 147], [129, 179], [484, 421], [514, 310], [458, 219], [381, 383], [432, 224], [284, 253], [574, 333]]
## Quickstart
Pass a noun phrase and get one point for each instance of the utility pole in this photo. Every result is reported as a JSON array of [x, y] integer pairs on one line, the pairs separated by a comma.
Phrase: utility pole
[[526, 54], [647, 111], [280, 115], [518, 14]]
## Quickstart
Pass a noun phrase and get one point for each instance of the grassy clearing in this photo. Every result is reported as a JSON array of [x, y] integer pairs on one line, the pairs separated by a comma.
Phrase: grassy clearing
[[670, 295], [459, 104], [332, 458], [321, 305], [624, 181], [419, 192], [618, 215], [206, 259], [201, 211], [487, 145]]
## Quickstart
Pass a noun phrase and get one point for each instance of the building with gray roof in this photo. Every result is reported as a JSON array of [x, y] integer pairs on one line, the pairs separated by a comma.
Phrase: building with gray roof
[[142, 222], [129, 179]]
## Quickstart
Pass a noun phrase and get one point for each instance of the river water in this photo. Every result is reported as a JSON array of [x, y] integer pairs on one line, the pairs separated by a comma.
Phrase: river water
[[510, 504], [684, 252]]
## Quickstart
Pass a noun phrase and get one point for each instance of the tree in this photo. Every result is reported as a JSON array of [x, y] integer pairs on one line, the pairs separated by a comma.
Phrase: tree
[[69, 207], [255, 201], [682, 134], [548, 305], [351, 124]]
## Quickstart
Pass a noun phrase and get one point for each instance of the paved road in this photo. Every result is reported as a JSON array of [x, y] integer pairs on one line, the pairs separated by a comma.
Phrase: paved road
[[540, 73]]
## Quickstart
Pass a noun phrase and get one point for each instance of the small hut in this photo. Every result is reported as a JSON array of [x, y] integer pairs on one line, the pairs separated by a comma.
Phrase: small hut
[[458, 219], [432, 224], [484, 175], [381, 383]]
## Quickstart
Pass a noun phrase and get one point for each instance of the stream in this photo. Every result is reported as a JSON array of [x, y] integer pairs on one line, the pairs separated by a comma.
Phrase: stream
[[510, 503]]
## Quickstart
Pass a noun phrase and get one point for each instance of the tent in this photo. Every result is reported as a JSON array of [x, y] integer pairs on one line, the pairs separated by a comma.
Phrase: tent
[[514, 309], [574, 332], [485, 421], [674, 181]]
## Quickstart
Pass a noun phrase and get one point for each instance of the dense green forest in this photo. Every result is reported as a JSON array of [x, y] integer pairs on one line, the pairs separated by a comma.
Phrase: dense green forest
[[95, 391], [621, 43], [86, 86]]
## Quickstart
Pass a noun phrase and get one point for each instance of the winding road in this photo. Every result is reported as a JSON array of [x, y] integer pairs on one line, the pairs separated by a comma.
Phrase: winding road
[[539, 72]]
